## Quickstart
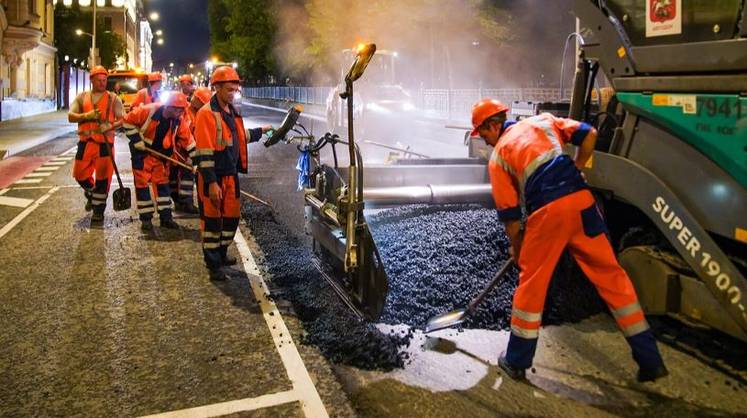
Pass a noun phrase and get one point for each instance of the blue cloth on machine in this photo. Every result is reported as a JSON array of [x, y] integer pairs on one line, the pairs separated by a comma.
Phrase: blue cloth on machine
[[304, 170]]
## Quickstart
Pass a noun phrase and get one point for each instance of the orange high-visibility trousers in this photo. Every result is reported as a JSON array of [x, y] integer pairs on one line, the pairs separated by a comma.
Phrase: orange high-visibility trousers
[[91, 158], [218, 224], [573, 221]]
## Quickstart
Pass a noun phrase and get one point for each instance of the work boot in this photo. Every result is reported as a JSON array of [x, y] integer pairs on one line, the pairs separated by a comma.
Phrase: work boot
[[189, 208], [89, 200], [511, 371], [649, 375], [146, 225], [97, 218], [218, 275], [229, 261], [169, 224]]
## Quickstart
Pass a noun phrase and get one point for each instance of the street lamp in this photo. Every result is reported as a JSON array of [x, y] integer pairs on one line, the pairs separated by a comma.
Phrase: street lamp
[[79, 32], [160, 41], [154, 16], [159, 32]]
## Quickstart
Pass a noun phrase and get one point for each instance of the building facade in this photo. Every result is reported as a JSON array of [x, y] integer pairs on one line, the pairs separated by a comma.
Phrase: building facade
[[27, 58]]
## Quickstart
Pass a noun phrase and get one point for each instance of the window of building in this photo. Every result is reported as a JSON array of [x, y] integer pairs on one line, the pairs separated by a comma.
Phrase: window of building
[[108, 23]]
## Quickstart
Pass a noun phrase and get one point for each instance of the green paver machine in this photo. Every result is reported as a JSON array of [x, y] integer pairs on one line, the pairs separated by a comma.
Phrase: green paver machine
[[671, 161]]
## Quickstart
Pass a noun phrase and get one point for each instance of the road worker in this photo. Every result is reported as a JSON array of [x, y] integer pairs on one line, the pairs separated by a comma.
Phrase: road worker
[[182, 180], [98, 114], [221, 155], [187, 85], [532, 177], [156, 127], [148, 94]]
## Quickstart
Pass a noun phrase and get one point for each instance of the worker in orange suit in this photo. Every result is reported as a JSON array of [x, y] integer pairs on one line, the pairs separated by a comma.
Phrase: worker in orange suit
[[148, 94], [221, 155], [532, 177], [187, 85], [98, 114], [156, 127], [182, 180]]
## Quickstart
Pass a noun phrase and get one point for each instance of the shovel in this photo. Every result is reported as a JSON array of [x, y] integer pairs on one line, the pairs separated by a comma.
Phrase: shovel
[[458, 316], [121, 197], [177, 162]]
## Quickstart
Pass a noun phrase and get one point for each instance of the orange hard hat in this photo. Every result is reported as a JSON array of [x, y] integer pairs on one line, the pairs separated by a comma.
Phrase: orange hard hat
[[186, 78], [483, 110], [176, 99], [99, 70], [155, 77], [224, 74], [203, 94]]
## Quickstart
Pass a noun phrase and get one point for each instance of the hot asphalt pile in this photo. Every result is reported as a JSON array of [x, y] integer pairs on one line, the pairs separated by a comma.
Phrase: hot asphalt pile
[[329, 325], [438, 258]]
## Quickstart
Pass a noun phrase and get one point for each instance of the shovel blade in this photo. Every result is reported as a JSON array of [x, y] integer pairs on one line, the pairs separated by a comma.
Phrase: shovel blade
[[122, 199], [446, 320]]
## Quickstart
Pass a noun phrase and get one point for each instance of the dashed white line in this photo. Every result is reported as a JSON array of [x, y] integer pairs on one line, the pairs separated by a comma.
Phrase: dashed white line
[[35, 174], [28, 181], [51, 163], [311, 403], [17, 202], [43, 168], [21, 216], [231, 407]]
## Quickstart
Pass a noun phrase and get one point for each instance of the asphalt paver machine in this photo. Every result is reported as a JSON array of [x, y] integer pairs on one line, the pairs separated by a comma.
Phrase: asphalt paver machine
[[670, 168]]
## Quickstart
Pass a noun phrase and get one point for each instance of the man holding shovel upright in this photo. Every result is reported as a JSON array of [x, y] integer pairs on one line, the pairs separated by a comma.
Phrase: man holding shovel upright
[[98, 114], [530, 174], [222, 155], [153, 131]]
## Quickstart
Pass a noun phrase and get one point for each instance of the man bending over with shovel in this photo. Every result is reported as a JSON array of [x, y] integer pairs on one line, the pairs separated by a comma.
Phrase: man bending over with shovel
[[153, 130], [528, 166]]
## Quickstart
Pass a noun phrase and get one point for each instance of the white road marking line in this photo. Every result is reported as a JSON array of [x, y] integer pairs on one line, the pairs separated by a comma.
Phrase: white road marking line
[[43, 168], [15, 221], [70, 151], [311, 403], [64, 186], [28, 181], [17, 202], [52, 163], [231, 407], [35, 174]]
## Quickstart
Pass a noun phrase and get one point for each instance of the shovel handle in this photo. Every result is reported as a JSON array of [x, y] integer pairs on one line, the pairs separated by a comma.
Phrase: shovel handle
[[114, 163], [179, 163], [474, 303]]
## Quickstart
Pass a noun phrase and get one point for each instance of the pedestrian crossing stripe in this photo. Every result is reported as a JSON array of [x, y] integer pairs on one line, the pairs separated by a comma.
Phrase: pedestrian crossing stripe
[[28, 181], [15, 201], [53, 168], [54, 163], [35, 174]]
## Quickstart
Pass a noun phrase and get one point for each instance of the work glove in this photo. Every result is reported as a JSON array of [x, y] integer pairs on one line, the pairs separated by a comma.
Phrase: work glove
[[92, 115], [139, 145]]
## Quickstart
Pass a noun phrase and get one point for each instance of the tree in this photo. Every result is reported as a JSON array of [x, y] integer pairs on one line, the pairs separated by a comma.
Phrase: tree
[[111, 46]]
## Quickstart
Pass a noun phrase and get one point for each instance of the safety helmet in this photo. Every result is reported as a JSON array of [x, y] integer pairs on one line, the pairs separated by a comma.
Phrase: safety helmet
[[186, 78], [155, 77], [176, 99], [203, 94], [224, 74], [99, 70], [483, 110]]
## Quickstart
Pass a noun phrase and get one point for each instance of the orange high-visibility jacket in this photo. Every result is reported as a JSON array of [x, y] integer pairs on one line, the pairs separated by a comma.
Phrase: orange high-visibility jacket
[[91, 130], [528, 166], [147, 123], [143, 97], [221, 141]]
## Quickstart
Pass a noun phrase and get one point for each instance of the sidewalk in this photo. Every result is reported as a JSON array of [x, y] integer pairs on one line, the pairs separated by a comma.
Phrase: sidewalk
[[18, 135]]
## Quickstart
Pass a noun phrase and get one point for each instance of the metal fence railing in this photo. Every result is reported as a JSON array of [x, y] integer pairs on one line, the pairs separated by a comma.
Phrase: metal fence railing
[[444, 103], [305, 95]]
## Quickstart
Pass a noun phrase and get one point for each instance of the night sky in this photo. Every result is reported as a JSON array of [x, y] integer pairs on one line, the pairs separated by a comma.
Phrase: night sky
[[185, 31]]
